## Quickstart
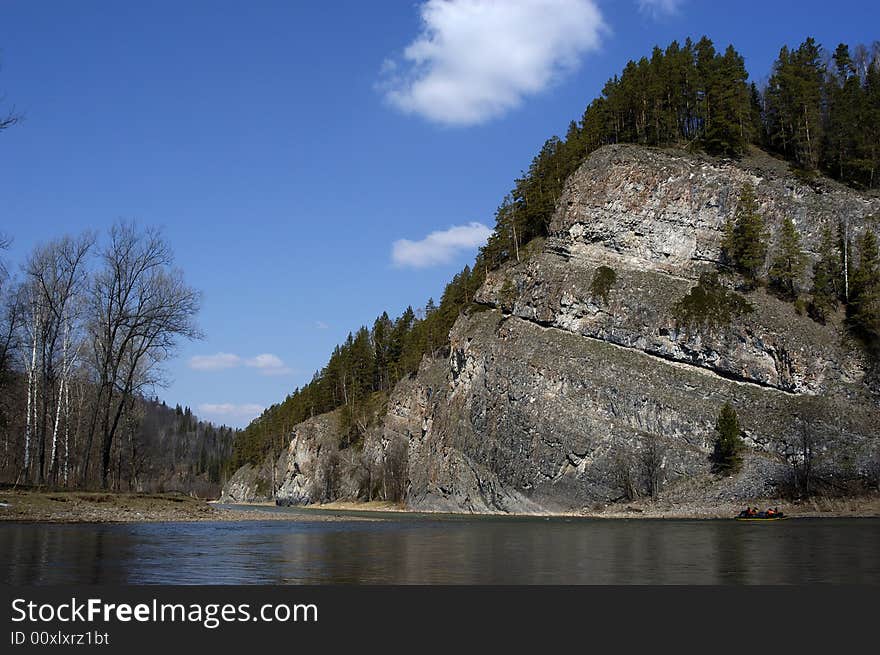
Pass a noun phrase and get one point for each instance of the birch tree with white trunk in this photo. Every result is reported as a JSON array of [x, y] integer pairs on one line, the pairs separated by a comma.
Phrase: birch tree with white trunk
[[57, 277]]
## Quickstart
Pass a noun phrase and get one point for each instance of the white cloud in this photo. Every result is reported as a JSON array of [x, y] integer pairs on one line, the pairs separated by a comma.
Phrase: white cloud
[[230, 411], [216, 362], [477, 59], [658, 8], [321, 325], [439, 247], [267, 363], [266, 360]]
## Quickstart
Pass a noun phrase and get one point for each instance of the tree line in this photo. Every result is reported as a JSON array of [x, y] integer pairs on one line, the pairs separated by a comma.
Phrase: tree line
[[819, 112], [84, 330], [176, 451], [361, 372]]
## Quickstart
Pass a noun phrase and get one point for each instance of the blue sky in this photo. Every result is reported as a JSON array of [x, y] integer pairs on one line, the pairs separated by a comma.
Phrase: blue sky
[[287, 147]]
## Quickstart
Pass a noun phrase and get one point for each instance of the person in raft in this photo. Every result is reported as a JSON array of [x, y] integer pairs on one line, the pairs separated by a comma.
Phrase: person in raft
[[752, 512]]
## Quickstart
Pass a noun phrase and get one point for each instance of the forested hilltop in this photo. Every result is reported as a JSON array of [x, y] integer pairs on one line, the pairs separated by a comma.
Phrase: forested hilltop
[[819, 111]]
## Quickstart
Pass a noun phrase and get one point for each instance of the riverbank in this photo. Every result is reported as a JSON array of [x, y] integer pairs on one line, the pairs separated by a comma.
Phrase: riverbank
[[857, 507], [101, 507]]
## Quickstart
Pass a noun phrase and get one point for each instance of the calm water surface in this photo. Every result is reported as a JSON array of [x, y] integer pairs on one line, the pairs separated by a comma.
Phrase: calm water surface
[[432, 549]]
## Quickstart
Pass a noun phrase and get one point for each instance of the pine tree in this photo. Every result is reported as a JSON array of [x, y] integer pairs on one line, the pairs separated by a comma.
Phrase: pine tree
[[870, 124], [728, 444], [748, 244], [789, 262], [706, 82], [381, 338], [844, 96], [728, 243], [794, 104], [827, 278], [866, 287], [729, 130], [756, 116]]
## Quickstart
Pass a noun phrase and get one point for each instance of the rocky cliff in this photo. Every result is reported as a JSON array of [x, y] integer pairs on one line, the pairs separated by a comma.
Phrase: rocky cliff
[[311, 469], [553, 399]]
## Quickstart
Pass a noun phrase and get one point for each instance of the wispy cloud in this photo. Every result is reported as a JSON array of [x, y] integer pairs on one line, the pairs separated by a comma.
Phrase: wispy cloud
[[230, 412], [659, 8], [439, 247], [477, 59], [321, 325], [216, 362], [267, 363]]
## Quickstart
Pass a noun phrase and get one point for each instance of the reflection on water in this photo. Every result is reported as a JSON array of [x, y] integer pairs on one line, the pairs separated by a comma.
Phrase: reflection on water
[[432, 550]]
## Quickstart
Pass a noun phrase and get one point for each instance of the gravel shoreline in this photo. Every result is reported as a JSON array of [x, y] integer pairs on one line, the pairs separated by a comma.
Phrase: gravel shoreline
[[98, 507], [860, 507]]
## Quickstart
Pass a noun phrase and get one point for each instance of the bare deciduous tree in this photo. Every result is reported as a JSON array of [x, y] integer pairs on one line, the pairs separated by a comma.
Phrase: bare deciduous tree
[[53, 351], [140, 308], [9, 119], [326, 473], [652, 458], [394, 467], [4, 244], [625, 477], [810, 417], [10, 318]]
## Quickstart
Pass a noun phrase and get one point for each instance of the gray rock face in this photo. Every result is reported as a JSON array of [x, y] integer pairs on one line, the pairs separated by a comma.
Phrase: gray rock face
[[311, 469], [314, 468], [541, 419], [249, 484], [657, 220], [664, 211], [554, 400], [772, 346], [447, 467]]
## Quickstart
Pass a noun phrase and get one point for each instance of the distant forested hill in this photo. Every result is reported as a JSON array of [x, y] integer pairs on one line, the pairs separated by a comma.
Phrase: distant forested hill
[[159, 448]]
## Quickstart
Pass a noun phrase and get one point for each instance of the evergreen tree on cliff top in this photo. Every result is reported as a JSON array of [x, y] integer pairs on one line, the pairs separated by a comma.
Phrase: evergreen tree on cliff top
[[845, 97], [728, 123], [726, 457], [794, 104]]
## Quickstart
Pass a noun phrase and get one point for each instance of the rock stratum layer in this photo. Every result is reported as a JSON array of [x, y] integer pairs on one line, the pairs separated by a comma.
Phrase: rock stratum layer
[[554, 400]]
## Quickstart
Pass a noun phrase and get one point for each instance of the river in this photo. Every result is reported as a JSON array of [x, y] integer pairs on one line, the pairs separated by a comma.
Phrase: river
[[441, 549]]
